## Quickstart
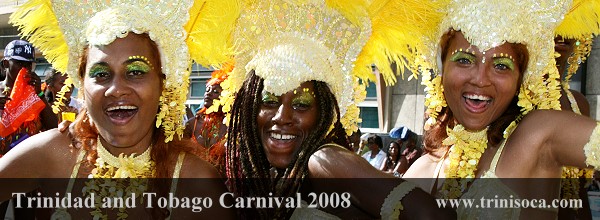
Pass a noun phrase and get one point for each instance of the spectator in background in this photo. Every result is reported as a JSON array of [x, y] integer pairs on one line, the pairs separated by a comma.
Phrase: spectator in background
[[375, 155], [394, 162], [18, 123], [207, 128], [19, 54], [355, 141], [408, 139], [69, 107]]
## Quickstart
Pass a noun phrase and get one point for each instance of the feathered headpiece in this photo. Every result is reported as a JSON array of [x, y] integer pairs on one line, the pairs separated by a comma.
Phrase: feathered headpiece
[[504, 23], [182, 30], [287, 42], [400, 29], [332, 41], [581, 23]]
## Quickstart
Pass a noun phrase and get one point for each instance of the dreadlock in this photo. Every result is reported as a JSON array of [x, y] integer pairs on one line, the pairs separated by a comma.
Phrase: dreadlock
[[247, 165]]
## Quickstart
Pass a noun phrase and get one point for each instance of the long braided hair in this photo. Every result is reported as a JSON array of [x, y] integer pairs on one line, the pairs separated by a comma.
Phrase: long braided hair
[[247, 167]]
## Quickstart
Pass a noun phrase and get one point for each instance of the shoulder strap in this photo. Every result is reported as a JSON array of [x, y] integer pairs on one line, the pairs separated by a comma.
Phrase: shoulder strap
[[176, 173], [436, 173], [497, 157], [330, 145]]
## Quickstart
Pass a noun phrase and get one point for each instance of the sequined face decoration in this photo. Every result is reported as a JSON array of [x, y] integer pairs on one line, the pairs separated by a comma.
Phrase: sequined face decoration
[[284, 122], [479, 92]]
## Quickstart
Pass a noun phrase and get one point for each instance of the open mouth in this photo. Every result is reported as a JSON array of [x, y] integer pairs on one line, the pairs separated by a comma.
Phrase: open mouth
[[121, 113], [477, 103]]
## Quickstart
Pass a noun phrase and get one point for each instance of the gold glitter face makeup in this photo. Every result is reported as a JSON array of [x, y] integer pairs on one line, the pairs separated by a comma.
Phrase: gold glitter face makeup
[[138, 67], [303, 100], [503, 61], [463, 57], [144, 59], [269, 98], [99, 70]]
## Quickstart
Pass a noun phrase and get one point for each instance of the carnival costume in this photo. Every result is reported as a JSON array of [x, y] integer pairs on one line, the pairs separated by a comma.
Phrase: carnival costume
[[212, 119], [582, 24], [288, 42], [181, 29], [540, 87]]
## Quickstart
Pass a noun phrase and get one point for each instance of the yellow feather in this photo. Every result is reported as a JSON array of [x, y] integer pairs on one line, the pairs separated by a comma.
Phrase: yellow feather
[[583, 20], [400, 29], [353, 10], [37, 22], [210, 27]]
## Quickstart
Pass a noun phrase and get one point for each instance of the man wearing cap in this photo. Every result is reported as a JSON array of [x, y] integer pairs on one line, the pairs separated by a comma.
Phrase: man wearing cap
[[408, 138], [20, 54]]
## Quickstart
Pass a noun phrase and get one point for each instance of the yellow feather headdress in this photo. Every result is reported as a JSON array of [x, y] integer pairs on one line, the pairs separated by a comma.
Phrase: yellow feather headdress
[[582, 23], [62, 29]]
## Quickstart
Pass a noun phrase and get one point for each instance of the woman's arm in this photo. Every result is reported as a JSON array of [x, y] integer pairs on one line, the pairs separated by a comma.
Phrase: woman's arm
[[402, 166], [368, 186], [199, 179], [560, 135], [45, 155], [383, 166]]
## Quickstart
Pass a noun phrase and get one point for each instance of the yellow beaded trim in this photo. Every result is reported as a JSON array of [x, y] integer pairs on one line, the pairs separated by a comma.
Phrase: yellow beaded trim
[[131, 166], [466, 149], [107, 178], [592, 149], [142, 58], [393, 202]]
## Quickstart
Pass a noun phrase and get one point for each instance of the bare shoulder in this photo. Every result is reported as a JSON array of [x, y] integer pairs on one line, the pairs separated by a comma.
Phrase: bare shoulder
[[195, 167], [49, 150], [424, 167], [199, 179], [582, 102]]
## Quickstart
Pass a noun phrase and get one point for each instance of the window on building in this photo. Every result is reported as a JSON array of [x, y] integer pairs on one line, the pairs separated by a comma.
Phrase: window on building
[[369, 116], [368, 110], [197, 88]]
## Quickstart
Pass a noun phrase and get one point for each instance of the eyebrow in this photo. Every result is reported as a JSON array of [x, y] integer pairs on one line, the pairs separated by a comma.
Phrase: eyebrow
[[102, 63]]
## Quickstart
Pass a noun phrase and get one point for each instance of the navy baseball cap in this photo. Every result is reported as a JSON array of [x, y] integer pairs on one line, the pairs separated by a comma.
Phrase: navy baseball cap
[[401, 133], [19, 50]]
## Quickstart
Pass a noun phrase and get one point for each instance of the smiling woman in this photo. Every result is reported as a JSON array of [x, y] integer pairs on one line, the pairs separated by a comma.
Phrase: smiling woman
[[296, 88], [133, 72], [488, 109], [120, 91]]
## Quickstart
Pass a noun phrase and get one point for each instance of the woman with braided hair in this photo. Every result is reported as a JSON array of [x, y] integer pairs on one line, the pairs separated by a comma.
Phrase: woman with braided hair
[[295, 104], [281, 146]]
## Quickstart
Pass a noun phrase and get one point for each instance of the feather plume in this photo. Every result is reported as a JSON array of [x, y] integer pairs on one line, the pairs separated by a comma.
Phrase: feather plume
[[36, 21], [400, 29], [210, 27], [583, 20]]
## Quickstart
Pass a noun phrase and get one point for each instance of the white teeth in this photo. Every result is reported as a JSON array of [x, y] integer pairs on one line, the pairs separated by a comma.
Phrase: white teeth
[[478, 97], [282, 136], [122, 107]]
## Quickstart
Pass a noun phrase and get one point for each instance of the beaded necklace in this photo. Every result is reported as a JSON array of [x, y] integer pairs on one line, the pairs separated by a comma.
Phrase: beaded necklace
[[123, 177], [466, 149]]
